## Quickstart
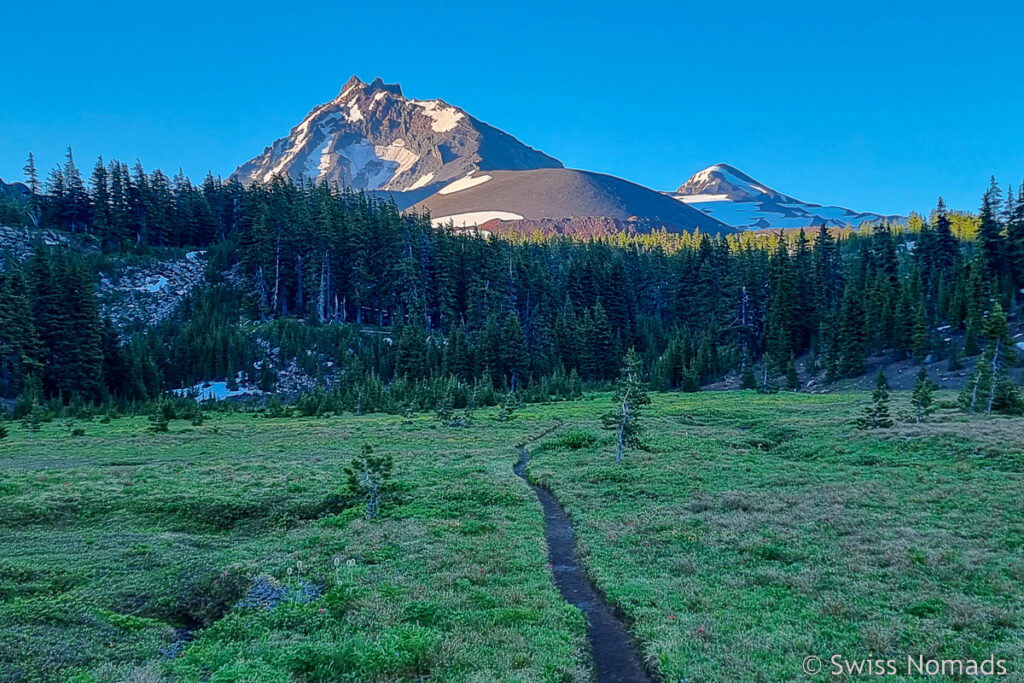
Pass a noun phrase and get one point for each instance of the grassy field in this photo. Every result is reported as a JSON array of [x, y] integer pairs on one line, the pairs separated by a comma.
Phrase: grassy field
[[111, 539], [751, 532], [758, 530]]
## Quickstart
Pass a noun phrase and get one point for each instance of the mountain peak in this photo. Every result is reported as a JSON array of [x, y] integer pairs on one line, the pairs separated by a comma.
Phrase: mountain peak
[[726, 182], [371, 137], [351, 83], [357, 85], [725, 168], [378, 85]]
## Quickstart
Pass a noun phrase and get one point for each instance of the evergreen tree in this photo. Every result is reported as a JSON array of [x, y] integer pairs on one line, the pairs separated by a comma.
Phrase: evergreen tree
[[1015, 238], [77, 355], [792, 378], [158, 422], [782, 309], [877, 414], [922, 399], [516, 359], [31, 422], [99, 197], [851, 334], [990, 233], [457, 361], [747, 379], [919, 339], [598, 357], [690, 380], [76, 199], [509, 406], [954, 363], [989, 389], [769, 385], [369, 477], [20, 351], [946, 249], [628, 403], [32, 182], [443, 411], [411, 352], [830, 355]]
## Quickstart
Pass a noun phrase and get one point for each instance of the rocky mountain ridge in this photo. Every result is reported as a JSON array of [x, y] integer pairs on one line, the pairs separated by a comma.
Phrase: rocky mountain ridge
[[371, 137]]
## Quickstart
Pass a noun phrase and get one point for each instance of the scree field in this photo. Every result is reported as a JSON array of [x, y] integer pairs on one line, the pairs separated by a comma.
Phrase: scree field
[[750, 532]]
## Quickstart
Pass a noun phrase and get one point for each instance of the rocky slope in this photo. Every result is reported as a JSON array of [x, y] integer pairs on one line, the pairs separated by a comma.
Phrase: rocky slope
[[143, 295], [19, 242]]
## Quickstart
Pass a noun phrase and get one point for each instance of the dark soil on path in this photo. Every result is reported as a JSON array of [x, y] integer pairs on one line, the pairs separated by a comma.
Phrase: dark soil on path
[[615, 655]]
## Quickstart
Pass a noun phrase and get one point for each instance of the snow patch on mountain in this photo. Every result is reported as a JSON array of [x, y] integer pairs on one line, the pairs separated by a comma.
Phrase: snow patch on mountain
[[702, 198], [398, 153], [463, 184], [154, 284], [354, 114], [317, 159], [217, 390], [474, 218], [366, 169], [423, 181], [443, 118]]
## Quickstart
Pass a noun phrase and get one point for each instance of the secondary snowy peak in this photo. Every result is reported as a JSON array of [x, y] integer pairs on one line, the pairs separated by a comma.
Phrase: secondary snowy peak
[[722, 182], [371, 137], [733, 197]]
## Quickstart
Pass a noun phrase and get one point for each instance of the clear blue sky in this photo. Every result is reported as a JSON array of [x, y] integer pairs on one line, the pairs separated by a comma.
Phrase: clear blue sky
[[877, 106]]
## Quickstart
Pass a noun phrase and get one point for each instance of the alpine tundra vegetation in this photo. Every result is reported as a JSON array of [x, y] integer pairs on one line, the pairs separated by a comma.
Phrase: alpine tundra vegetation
[[747, 533]]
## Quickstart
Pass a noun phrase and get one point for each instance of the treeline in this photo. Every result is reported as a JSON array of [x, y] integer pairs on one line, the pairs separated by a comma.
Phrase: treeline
[[126, 207], [374, 295], [693, 306], [53, 343]]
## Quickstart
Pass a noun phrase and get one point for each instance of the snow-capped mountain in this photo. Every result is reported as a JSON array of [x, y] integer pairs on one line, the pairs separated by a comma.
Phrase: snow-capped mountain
[[736, 199], [372, 137], [433, 156]]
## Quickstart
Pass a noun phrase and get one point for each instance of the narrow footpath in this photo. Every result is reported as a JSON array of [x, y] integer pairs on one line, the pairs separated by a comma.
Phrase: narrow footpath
[[615, 655]]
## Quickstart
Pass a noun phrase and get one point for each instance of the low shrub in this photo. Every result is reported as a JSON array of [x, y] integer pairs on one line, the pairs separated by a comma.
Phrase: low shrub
[[577, 440]]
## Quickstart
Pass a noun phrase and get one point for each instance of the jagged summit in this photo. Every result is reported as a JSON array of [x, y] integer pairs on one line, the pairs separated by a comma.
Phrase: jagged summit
[[393, 88], [372, 137], [351, 82], [377, 85], [737, 199]]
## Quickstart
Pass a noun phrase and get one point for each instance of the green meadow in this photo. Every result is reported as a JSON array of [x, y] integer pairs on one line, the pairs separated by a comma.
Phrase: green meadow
[[749, 532]]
